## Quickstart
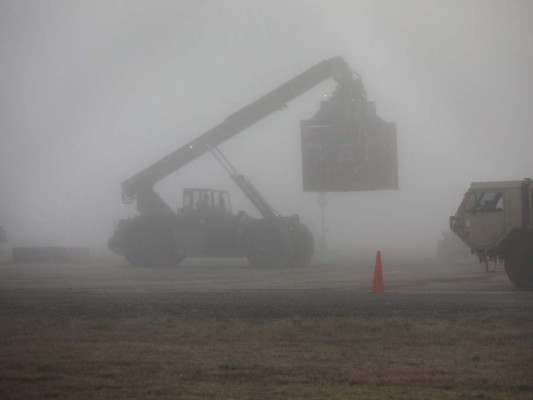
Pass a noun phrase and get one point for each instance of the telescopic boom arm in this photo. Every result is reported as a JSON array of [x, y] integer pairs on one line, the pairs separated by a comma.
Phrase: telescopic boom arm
[[140, 186]]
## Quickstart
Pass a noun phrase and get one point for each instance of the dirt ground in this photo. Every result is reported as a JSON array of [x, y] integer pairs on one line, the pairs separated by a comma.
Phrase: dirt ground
[[209, 284], [109, 330], [222, 275], [232, 287]]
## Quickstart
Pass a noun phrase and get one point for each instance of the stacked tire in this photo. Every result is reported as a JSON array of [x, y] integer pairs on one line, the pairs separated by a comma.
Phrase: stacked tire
[[28, 255]]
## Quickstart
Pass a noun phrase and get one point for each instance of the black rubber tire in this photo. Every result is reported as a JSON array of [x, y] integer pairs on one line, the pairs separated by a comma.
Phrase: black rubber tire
[[149, 243], [304, 245], [269, 245], [519, 266]]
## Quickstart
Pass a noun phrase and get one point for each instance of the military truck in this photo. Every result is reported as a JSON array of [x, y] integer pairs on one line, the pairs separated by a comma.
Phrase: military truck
[[495, 220]]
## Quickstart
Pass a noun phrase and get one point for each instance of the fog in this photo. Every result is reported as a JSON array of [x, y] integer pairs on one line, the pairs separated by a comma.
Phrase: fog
[[93, 92]]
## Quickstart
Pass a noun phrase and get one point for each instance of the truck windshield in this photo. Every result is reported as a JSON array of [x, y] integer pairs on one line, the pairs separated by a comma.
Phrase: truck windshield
[[485, 202]]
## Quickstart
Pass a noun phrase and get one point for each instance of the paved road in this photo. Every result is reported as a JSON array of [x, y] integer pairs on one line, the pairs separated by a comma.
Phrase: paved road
[[232, 288]]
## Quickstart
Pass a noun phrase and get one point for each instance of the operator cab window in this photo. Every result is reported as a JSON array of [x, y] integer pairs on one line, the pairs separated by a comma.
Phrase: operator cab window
[[203, 200], [221, 203], [485, 202], [206, 202], [195, 200], [192, 199], [226, 203]]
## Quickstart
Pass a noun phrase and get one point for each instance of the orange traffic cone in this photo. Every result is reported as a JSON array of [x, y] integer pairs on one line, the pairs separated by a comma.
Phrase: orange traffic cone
[[377, 286]]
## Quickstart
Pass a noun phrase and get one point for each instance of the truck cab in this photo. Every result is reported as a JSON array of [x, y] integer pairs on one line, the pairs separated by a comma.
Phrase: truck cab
[[495, 220]]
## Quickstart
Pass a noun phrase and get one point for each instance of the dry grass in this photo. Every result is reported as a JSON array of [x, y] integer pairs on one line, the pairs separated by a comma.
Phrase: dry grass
[[485, 355]]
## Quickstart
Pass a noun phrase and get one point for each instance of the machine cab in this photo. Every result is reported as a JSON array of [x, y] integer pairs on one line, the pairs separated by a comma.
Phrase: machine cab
[[205, 203], [489, 211]]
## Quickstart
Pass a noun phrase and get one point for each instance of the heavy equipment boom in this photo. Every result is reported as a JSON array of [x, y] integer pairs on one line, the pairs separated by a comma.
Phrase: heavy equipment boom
[[140, 186]]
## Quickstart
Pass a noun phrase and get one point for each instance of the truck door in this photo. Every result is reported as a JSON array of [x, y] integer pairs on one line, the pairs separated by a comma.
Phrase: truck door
[[484, 217]]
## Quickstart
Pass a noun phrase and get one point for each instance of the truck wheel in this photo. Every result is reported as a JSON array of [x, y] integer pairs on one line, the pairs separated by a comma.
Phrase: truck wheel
[[149, 244], [519, 266], [269, 245], [304, 245]]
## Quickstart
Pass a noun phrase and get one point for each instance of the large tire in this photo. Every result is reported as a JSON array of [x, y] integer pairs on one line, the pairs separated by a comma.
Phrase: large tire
[[149, 243], [269, 245], [519, 266], [304, 245]]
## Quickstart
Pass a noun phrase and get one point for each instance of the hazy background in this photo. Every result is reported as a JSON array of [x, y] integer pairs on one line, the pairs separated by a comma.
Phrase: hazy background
[[91, 92]]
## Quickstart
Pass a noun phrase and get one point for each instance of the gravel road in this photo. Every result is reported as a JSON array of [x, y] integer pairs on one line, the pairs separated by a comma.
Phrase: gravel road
[[231, 288]]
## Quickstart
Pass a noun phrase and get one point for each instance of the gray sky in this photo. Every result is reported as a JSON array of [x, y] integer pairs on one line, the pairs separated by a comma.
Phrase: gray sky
[[94, 91]]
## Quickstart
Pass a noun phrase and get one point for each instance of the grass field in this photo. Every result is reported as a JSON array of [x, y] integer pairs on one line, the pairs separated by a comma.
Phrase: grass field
[[157, 355]]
